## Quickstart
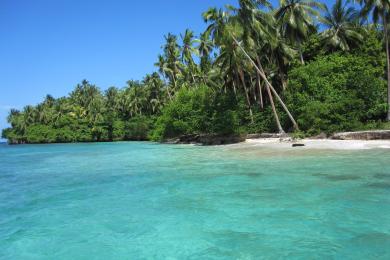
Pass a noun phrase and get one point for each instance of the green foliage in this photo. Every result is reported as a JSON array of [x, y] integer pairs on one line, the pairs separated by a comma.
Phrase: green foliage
[[298, 135], [263, 122], [313, 47], [40, 134], [197, 111], [336, 93], [341, 87], [5, 132], [371, 49], [138, 128]]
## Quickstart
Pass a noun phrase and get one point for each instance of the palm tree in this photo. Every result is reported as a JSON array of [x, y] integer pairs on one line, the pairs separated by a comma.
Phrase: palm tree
[[111, 105], [229, 57], [380, 10], [13, 118], [29, 115], [49, 100], [187, 51], [135, 98], [205, 48], [270, 88], [169, 63], [154, 91], [165, 72], [217, 19], [295, 18], [261, 36], [111, 97], [341, 23]]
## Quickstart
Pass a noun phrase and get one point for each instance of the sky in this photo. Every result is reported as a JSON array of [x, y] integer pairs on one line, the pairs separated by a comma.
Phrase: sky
[[48, 46]]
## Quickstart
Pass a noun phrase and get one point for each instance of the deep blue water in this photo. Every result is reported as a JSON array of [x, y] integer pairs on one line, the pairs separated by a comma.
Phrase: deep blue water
[[151, 201]]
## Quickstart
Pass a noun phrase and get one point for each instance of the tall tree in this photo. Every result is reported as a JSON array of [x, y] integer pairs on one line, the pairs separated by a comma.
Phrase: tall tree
[[187, 52], [295, 18], [205, 47], [380, 10], [342, 26]]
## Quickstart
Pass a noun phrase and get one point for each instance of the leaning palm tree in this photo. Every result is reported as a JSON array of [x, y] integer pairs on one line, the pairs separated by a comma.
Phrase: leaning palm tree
[[341, 23], [259, 34], [257, 30], [232, 59], [380, 10], [295, 18]]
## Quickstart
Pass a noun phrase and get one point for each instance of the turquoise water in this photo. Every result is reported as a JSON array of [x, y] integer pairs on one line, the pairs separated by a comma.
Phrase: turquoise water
[[151, 201]]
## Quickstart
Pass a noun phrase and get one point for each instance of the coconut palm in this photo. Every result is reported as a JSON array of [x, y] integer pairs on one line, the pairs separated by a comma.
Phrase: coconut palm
[[260, 37], [296, 19], [187, 52], [205, 48], [169, 63], [111, 95], [29, 114], [230, 58], [217, 20], [341, 23], [13, 118], [154, 92]]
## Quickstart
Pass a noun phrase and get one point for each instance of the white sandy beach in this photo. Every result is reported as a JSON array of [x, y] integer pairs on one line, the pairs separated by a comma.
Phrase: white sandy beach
[[320, 144]]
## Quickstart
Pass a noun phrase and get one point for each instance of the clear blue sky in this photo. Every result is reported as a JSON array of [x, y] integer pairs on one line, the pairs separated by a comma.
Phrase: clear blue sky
[[48, 46]]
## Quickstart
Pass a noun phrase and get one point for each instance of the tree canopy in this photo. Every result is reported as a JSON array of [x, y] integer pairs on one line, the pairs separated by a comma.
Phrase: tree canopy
[[298, 66]]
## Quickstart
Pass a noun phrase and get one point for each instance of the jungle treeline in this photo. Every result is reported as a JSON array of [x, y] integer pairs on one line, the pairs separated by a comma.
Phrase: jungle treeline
[[300, 67]]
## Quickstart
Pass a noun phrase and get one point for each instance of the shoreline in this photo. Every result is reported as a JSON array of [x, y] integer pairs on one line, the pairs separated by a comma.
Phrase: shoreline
[[326, 144], [358, 140], [274, 143]]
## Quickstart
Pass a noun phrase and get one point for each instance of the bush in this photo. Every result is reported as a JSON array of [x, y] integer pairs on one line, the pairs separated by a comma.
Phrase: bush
[[336, 93], [118, 131], [5, 133], [198, 111], [137, 128], [40, 134]]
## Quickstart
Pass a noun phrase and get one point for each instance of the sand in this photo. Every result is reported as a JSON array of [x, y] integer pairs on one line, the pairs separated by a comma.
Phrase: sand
[[320, 144]]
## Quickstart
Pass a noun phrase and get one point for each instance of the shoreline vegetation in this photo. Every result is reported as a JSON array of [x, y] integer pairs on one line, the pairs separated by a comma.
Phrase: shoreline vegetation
[[256, 69]]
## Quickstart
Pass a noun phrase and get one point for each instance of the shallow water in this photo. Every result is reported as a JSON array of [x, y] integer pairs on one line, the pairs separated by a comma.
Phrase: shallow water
[[151, 201]]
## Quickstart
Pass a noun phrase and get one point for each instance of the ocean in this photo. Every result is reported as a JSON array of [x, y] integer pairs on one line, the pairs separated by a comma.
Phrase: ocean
[[141, 200]]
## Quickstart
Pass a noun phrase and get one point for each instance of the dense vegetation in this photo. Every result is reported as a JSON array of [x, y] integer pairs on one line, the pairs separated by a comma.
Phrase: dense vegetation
[[300, 66]]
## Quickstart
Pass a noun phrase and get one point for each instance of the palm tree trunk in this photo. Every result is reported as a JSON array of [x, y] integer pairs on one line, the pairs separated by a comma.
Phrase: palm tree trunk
[[280, 101], [234, 86], [192, 74], [241, 74], [252, 89], [301, 56], [169, 94], [283, 76], [258, 82], [284, 81], [174, 82], [388, 64], [271, 100], [301, 53], [268, 84]]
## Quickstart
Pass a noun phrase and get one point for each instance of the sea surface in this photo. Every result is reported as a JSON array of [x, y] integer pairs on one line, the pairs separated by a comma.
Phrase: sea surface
[[136, 200]]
